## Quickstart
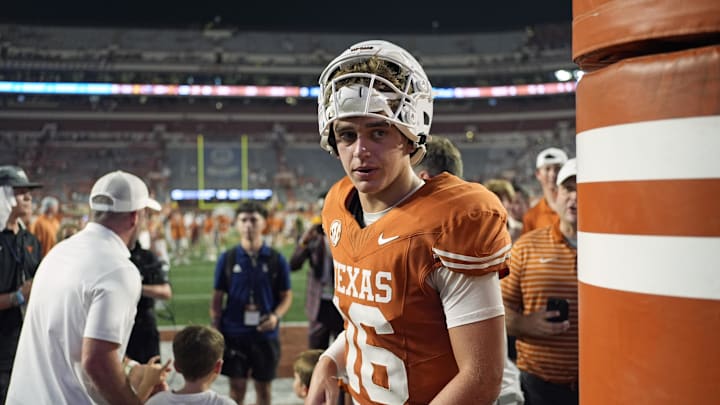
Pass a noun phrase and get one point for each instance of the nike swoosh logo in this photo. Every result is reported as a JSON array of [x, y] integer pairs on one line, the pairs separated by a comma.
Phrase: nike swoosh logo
[[547, 259], [382, 241]]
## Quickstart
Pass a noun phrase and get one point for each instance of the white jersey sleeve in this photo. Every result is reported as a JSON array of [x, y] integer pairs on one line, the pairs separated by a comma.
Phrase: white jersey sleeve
[[467, 299]]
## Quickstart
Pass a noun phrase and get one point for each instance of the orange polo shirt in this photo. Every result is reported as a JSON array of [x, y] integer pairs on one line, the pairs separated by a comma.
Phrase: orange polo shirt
[[539, 216], [543, 265]]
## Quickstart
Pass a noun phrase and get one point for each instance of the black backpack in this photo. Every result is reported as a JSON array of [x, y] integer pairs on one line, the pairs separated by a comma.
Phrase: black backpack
[[274, 270]]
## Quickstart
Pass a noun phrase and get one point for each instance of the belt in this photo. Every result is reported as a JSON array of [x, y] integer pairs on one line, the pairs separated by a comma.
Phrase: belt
[[572, 386]]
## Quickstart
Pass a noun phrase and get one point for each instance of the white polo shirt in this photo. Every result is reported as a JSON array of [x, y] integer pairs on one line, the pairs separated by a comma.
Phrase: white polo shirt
[[85, 287]]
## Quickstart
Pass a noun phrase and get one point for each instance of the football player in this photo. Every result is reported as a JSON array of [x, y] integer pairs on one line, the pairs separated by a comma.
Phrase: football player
[[416, 262]]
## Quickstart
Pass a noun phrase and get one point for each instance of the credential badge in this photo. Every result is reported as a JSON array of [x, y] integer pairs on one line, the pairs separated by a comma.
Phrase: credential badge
[[335, 228]]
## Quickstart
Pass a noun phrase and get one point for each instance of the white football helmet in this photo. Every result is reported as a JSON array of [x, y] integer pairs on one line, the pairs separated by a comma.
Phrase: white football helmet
[[409, 108]]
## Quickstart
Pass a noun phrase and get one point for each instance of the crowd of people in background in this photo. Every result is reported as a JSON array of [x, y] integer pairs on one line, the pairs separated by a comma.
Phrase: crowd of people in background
[[181, 233], [175, 235]]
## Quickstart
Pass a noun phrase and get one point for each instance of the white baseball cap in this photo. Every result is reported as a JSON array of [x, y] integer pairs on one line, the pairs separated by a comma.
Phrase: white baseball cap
[[568, 170], [121, 192], [551, 156]]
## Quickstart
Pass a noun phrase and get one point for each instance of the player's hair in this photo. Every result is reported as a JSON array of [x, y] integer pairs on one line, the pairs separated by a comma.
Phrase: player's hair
[[501, 187], [251, 207], [374, 65], [196, 349], [305, 364], [441, 156]]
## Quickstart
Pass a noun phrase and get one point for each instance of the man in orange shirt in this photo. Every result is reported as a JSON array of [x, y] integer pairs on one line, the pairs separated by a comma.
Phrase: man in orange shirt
[[46, 226], [549, 161], [543, 271]]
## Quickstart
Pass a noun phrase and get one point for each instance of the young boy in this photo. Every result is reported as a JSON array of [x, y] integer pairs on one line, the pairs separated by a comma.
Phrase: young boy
[[303, 369], [198, 352]]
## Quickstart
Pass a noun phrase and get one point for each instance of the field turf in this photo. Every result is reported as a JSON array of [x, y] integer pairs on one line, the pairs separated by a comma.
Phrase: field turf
[[192, 286]]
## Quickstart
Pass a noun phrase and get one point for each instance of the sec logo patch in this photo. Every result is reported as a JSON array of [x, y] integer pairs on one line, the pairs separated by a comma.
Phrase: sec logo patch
[[335, 229]]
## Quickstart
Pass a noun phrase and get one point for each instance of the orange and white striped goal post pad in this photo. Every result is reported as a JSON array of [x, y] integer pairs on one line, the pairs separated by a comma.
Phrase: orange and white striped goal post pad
[[648, 148]]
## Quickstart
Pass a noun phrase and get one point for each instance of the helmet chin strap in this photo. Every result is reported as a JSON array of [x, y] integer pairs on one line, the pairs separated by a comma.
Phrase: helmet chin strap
[[417, 156], [422, 140]]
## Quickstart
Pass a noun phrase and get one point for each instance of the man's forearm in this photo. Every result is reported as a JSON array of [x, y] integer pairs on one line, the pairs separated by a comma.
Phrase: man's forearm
[[461, 390], [106, 373], [216, 308], [157, 291], [8, 300], [513, 322], [298, 257], [284, 304], [480, 363]]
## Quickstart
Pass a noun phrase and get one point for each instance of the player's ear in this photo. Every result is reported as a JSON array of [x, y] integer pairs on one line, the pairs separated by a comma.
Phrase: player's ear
[[410, 146], [423, 174]]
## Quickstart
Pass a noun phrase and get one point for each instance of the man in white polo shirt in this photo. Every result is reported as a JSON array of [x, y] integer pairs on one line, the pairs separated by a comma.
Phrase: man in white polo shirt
[[82, 308]]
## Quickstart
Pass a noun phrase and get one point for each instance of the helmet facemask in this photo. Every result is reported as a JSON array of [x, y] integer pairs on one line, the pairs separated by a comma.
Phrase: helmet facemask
[[362, 94]]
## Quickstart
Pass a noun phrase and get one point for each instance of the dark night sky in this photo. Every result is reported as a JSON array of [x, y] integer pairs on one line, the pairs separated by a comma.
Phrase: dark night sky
[[354, 16]]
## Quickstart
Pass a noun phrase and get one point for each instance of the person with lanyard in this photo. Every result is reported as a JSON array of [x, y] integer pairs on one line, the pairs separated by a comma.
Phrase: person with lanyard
[[253, 282], [20, 255]]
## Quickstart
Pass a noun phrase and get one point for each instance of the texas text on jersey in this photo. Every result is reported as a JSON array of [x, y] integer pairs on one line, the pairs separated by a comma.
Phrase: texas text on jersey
[[398, 349]]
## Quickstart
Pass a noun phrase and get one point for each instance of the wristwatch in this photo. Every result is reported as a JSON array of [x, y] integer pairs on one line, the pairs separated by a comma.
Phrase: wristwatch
[[19, 298]]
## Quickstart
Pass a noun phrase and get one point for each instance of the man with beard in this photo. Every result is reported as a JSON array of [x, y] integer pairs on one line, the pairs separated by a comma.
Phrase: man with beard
[[84, 300]]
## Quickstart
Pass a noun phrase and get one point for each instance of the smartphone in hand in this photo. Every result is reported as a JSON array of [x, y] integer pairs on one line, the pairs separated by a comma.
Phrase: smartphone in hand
[[558, 304]]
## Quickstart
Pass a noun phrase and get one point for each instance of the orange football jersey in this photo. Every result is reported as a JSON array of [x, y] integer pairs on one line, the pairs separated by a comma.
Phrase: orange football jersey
[[398, 348]]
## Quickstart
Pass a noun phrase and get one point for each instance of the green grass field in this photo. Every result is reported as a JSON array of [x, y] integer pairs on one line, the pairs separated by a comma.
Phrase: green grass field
[[192, 287]]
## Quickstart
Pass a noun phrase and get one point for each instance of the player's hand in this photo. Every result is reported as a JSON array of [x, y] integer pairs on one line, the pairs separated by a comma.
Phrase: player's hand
[[324, 388]]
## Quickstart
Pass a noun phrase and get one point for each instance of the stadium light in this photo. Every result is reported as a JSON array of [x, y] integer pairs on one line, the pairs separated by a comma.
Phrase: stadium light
[[563, 75]]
